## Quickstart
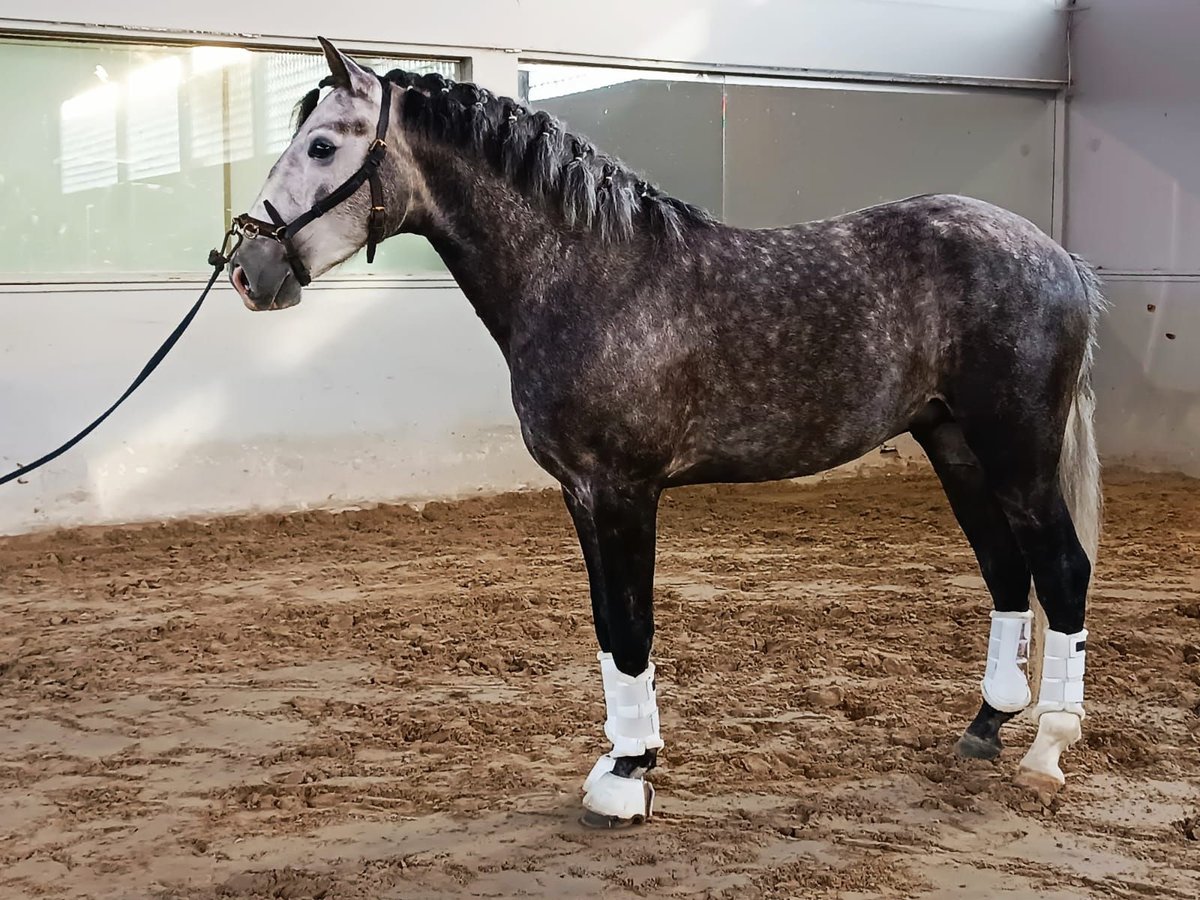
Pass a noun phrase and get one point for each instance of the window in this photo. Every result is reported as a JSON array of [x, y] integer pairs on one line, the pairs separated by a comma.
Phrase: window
[[152, 119], [220, 104], [761, 152], [797, 153], [88, 139], [128, 159], [665, 125], [287, 77]]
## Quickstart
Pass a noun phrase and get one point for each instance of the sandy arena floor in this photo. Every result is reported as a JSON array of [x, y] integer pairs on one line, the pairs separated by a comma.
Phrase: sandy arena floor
[[385, 704]]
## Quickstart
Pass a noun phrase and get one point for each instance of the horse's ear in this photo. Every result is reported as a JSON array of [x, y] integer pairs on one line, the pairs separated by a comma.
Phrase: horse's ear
[[344, 70]]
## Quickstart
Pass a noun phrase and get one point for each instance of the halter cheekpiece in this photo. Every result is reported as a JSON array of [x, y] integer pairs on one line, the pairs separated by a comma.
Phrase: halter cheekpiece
[[248, 227]]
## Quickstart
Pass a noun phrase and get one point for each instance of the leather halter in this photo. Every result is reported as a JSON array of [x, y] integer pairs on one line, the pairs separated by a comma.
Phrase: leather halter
[[246, 226]]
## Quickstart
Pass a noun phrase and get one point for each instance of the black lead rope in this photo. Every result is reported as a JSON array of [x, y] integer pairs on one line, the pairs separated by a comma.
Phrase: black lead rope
[[218, 261]]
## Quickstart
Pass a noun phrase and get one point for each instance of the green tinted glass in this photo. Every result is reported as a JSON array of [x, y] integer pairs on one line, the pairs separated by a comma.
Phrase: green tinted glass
[[128, 159]]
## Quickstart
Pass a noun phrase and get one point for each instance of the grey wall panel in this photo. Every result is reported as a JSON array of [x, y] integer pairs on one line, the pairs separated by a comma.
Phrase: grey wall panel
[[1133, 129], [1148, 384], [670, 131], [1019, 39], [804, 153], [1133, 207]]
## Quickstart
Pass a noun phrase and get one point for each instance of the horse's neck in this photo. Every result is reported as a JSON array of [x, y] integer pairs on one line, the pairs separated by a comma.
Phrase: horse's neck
[[495, 242]]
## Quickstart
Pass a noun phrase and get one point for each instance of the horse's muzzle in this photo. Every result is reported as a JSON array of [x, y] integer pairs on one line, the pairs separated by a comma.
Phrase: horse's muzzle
[[262, 276]]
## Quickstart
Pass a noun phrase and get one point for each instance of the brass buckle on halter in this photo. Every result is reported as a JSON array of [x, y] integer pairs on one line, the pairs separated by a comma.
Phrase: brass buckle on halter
[[377, 144]]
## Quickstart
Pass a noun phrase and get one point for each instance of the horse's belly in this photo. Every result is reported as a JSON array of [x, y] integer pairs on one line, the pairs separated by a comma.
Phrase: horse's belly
[[771, 457], [655, 423]]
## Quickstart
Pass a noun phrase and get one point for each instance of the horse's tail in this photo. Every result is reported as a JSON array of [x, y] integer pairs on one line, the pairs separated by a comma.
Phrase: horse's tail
[[1079, 462]]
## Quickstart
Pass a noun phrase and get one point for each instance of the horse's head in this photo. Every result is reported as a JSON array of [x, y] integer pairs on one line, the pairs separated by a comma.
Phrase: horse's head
[[331, 148]]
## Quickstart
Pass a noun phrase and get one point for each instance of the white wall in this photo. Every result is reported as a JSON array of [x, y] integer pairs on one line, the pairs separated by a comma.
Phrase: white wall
[[1009, 39], [1133, 208], [376, 389], [355, 394]]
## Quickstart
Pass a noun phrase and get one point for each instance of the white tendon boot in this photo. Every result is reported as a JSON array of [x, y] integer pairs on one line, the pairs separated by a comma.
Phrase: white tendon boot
[[1059, 711], [1005, 686], [632, 726]]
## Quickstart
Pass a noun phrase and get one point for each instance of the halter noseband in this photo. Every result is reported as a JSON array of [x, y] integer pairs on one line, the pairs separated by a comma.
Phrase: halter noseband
[[246, 226]]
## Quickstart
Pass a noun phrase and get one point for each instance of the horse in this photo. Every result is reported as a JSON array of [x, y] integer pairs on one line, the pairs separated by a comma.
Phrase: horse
[[650, 346]]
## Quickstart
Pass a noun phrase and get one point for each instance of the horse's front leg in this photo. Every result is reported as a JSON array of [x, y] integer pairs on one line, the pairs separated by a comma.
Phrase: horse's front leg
[[616, 526]]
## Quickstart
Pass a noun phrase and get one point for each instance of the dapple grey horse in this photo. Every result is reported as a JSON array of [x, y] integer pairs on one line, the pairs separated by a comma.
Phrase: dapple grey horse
[[650, 346]]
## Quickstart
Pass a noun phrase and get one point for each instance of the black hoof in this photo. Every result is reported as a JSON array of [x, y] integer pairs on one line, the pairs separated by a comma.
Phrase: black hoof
[[600, 822], [971, 747]]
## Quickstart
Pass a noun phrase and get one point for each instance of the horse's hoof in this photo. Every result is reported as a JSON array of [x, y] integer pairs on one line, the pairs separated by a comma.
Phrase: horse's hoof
[[601, 822], [970, 746], [1039, 771], [616, 802], [1039, 783]]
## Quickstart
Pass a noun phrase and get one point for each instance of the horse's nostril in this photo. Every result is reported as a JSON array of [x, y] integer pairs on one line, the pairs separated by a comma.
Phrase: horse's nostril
[[241, 284]]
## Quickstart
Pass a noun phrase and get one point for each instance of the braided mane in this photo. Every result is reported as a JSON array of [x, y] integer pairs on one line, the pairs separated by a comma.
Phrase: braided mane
[[539, 157]]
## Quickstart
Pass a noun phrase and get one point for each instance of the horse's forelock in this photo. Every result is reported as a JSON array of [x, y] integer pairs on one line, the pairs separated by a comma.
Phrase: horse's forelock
[[305, 107]]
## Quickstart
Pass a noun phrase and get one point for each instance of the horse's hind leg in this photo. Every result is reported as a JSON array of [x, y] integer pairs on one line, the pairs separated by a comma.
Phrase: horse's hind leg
[[1061, 571], [1020, 456], [1005, 572]]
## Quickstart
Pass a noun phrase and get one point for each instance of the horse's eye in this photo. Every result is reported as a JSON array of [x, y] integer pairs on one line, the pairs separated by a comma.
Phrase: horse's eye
[[321, 149]]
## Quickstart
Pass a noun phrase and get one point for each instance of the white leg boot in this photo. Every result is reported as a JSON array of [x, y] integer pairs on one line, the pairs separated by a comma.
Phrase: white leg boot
[[1005, 685], [632, 726], [1059, 711]]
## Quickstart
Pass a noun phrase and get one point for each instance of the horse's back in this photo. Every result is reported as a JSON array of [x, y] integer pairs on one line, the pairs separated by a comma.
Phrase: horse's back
[[919, 285]]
